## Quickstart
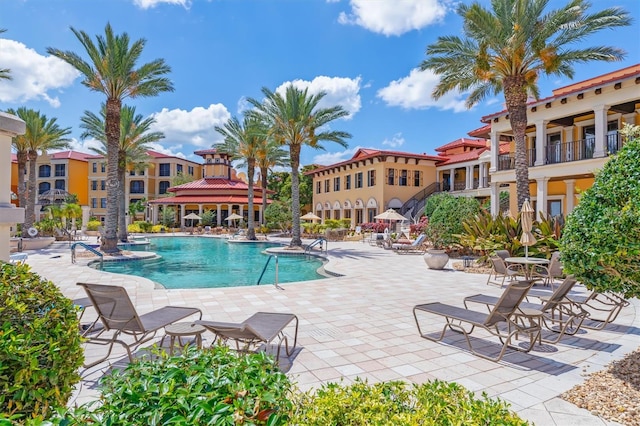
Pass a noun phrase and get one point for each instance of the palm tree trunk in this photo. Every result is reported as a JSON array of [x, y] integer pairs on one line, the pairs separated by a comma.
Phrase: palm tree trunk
[[263, 176], [515, 95], [30, 214], [294, 150], [112, 132], [22, 184], [251, 229], [122, 208]]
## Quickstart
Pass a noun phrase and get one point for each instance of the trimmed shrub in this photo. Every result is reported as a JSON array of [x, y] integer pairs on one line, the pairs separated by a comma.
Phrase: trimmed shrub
[[93, 225], [397, 403], [199, 387], [40, 345], [600, 243], [446, 214]]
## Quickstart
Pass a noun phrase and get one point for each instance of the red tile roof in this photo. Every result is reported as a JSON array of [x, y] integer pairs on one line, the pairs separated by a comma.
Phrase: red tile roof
[[14, 158], [214, 184], [364, 153], [208, 199], [474, 143], [205, 151], [462, 157], [72, 155]]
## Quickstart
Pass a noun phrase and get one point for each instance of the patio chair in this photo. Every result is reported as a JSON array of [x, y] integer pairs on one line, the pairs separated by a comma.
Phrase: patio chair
[[550, 272], [559, 314], [500, 269], [416, 247], [260, 328], [502, 254], [119, 316], [602, 307], [503, 321]]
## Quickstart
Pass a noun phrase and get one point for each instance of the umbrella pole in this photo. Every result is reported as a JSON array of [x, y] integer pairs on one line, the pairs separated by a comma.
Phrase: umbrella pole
[[526, 251]]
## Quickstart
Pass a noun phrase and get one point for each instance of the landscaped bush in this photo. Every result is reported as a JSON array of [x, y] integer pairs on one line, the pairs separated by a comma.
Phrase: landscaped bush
[[200, 387], [397, 403], [158, 228], [600, 243], [446, 214], [93, 225], [40, 345]]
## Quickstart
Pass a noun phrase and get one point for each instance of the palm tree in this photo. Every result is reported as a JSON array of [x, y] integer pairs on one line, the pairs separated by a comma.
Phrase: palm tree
[[269, 155], [5, 73], [243, 141], [135, 134], [42, 135], [295, 121], [507, 49], [112, 71]]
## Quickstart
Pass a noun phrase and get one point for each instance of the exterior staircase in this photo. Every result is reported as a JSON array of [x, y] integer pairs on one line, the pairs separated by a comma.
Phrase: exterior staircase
[[414, 205]]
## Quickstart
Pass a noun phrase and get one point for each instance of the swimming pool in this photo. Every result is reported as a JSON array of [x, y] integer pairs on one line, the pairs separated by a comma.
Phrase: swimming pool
[[199, 262]]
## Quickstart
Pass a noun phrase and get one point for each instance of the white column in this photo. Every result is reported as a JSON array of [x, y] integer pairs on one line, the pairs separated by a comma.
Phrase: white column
[[182, 206], [260, 214], [601, 130], [154, 214], [495, 199], [495, 151], [452, 178], [469, 177], [10, 126], [541, 141], [218, 214], [541, 197], [570, 153], [199, 209], [571, 194]]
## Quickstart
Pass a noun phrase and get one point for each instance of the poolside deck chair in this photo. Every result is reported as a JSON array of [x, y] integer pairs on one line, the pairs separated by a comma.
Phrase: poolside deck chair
[[260, 328], [550, 272], [559, 314], [416, 247], [500, 269], [502, 321], [603, 308], [118, 315]]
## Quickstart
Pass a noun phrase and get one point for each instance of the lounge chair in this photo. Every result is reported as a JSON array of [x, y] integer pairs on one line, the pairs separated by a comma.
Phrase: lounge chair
[[602, 307], [118, 315], [260, 328], [502, 270], [559, 314], [503, 321], [550, 272], [416, 247]]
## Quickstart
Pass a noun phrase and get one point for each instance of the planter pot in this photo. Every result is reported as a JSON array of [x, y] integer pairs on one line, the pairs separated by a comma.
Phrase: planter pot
[[436, 259], [37, 243], [91, 233]]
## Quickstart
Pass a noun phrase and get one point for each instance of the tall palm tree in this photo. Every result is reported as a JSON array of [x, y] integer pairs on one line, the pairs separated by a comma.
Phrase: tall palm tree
[[5, 73], [243, 141], [41, 135], [111, 70], [135, 134], [506, 49], [295, 120], [269, 155]]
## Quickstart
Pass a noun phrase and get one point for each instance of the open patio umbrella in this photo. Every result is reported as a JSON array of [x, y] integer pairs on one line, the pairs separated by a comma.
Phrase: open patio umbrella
[[234, 216], [390, 214], [192, 217], [526, 219], [310, 216]]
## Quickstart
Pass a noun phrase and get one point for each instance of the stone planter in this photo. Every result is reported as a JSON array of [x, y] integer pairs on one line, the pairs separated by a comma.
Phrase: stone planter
[[92, 233], [436, 259], [37, 243]]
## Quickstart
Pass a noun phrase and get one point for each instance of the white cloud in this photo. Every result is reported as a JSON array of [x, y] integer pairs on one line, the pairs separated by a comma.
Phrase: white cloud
[[85, 145], [340, 91], [194, 127], [33, 75], [168, 150], [394, 17], [150, 4], [396, 141], [328, 158], [414, 92]]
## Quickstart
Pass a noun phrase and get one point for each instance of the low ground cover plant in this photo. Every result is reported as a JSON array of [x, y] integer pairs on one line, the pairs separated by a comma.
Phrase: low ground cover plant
[[40, 346]]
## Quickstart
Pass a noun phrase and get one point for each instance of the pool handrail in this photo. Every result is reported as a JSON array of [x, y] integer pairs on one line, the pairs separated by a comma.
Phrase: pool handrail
[[87, 247]]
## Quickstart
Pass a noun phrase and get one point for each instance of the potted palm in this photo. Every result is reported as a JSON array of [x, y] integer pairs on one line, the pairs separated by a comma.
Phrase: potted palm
[[436, 257]]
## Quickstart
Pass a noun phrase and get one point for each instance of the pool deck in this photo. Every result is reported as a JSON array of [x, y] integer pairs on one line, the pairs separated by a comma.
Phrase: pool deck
[[361, 325]]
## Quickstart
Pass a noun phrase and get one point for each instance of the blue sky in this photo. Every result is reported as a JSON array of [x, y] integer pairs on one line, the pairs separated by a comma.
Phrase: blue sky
[[363, 53]]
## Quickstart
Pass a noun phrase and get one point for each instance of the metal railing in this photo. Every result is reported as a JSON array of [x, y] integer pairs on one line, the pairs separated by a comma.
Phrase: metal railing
[[418, 201], [87, 247], [265, 270], [320, 241]]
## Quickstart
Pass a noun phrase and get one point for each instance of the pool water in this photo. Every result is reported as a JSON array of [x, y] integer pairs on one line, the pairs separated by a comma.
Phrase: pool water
[[193, 262]]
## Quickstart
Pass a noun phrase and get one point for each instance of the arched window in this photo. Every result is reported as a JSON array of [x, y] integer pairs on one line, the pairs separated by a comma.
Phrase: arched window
[[44, 171], [44, 186]]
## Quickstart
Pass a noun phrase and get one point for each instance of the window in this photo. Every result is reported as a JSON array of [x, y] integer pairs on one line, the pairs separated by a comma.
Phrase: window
[[554, 148], [103, 185], [165, 169], [136, 187], [94, 202], [336, 184], [94, 185], [326, 185], [417, 178], [59, 184], [60, 170], [318, 187], [44, 171], [178, 168], [190, 170], [391, 176], [347, 182], [94, 167], [164, 185], [103, 167], [371, 178], [358, 179], [403, 178], [43, 187], [103, 203], [554, 208]]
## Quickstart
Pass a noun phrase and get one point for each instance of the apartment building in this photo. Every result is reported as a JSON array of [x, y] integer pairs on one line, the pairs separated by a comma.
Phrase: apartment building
[[570, 135], [371, 182]]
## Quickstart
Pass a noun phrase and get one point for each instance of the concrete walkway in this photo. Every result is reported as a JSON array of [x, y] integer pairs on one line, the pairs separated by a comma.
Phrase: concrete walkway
[[361, 325]]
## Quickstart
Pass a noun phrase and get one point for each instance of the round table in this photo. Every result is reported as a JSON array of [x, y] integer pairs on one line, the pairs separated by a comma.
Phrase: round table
[[528, 262], [184, 329]]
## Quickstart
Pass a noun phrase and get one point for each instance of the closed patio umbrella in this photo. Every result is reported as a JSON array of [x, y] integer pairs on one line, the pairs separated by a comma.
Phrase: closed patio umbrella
[[526, 219]]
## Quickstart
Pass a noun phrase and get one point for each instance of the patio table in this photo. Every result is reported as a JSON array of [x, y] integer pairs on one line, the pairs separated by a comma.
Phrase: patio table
[[529, 264]]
